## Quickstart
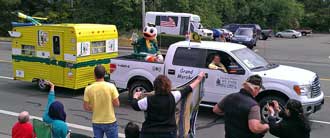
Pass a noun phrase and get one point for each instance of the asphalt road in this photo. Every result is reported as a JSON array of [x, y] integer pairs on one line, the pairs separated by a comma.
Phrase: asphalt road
[[311, 53]]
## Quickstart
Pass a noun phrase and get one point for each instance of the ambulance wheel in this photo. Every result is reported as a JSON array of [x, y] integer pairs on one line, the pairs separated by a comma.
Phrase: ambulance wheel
[[137, 86], [42, 85], [263, 107]]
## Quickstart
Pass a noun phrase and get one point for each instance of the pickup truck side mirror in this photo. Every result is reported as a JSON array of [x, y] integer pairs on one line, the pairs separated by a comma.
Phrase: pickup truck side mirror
[[236, 70]]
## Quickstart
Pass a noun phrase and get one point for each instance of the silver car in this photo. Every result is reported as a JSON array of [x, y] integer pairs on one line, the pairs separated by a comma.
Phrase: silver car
[[288, 34]]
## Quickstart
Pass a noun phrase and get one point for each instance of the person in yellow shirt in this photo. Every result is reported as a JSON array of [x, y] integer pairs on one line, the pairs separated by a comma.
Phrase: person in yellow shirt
[[216, 64], [100, 98]]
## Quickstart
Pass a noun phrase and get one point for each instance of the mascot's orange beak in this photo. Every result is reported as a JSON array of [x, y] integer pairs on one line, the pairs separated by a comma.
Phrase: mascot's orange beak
[[149, 36]]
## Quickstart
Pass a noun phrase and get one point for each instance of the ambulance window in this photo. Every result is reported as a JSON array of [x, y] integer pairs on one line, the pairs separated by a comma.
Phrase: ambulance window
[[28, 50], [56, 45], [98, 47], [157, 20], [191, 57], [167, 21]]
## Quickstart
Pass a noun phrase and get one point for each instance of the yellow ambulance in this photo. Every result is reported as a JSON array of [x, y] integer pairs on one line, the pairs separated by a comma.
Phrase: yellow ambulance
[[65, 54]]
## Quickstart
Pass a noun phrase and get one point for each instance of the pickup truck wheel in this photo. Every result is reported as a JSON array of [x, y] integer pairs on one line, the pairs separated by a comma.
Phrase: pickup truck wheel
[[141, 86], [303, 34], [42, 85], [263, 107]]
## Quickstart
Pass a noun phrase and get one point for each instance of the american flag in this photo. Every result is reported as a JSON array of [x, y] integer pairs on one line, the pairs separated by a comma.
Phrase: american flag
[[167, 21]]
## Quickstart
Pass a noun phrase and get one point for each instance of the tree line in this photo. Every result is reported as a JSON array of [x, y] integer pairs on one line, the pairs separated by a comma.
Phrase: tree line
[[126, 14]]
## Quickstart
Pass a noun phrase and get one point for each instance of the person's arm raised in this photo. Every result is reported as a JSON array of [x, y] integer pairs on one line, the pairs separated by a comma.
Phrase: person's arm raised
[[139, 105], [200, 77], [188, 89], [51, 99]]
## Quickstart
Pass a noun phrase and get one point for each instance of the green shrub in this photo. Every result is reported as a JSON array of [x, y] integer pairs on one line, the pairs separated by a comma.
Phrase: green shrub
[[165, 40]]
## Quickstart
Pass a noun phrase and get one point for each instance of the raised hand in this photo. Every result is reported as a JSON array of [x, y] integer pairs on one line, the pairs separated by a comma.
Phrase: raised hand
[[137, 95], [276, 106]]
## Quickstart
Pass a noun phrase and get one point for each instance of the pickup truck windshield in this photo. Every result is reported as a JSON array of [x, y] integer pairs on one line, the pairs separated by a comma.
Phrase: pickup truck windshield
[[250, 59]]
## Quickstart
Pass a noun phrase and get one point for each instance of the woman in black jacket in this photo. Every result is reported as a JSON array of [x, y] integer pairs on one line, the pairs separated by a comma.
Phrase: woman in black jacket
[[160, 108], [294, 124]]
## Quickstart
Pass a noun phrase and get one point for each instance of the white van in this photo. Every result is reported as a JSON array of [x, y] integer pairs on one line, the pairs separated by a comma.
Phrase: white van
[[177, 23]]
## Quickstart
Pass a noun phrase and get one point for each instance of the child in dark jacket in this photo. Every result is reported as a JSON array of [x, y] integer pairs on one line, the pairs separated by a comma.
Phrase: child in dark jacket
[[132, 130], [294, 123]]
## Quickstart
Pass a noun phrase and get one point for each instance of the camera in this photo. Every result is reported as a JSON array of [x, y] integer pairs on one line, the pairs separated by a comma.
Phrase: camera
[[271, 104]]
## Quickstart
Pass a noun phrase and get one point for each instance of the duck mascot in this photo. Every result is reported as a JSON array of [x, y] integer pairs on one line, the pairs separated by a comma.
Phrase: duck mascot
[[147, 45]]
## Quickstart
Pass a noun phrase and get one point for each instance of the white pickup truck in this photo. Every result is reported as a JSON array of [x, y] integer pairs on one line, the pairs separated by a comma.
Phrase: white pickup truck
[[184, 60]]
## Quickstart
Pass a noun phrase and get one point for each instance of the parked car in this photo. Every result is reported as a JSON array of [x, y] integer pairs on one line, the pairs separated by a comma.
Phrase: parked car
[[231, 27], [234, 27], [227, 33], [305, 32], [256, 28], [265, 34], [245, 36], [184, 60], [288, 33]]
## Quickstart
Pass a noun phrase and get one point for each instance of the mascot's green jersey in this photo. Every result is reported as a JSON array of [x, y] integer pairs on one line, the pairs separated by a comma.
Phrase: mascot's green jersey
[[147, 46]]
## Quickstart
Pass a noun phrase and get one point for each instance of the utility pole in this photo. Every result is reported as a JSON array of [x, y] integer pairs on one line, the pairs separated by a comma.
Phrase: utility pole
[[71, 3], [143, 12]]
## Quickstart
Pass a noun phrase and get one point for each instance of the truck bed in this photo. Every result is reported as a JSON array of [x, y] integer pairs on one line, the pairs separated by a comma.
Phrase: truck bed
[[133, 57], [130, 66]]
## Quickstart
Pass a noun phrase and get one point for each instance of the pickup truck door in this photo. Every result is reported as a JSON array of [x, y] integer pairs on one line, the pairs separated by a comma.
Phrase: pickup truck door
[[219, 83], [186, 64]]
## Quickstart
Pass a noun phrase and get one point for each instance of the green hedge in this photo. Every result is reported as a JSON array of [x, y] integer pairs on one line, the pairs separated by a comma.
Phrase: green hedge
[[165, 40]]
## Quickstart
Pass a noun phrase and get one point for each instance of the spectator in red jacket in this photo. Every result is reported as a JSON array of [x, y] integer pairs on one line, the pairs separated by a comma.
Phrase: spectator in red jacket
[[23, 128]]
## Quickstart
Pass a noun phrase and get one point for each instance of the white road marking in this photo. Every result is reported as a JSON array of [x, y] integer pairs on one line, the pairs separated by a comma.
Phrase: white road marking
[[322, 122], [324, 79], [4, 77], [5, 61], [76, 126]]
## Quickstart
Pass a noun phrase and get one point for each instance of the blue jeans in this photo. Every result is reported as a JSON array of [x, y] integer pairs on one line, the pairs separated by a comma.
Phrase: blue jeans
[[110, 130]]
